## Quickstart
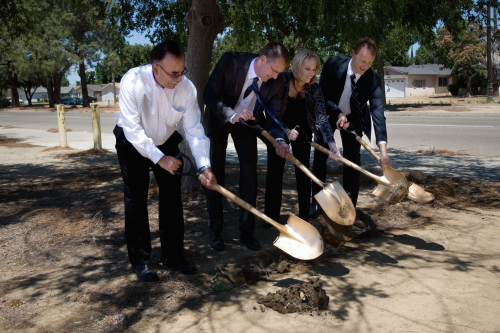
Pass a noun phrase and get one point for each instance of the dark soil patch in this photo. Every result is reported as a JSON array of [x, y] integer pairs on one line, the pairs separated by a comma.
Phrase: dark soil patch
[[440, 151], [307, 297], [90, 152]]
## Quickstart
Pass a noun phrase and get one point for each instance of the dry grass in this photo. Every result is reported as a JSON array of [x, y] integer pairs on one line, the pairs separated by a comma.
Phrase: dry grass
[[65, 233], [89, 152], [58, 148], [56, 130], [440, 151]]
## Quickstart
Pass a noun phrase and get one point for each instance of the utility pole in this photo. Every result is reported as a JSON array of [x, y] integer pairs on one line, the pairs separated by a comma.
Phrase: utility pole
[[488, 56]]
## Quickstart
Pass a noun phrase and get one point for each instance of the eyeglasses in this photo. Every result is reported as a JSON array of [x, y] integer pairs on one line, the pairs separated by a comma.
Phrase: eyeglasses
[[275, 71], [174, 76]]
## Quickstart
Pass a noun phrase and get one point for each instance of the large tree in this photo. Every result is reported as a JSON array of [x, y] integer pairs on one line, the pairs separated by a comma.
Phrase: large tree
[[465, 54]]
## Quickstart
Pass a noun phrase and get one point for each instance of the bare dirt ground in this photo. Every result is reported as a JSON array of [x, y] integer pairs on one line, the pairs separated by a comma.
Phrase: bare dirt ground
[[411, 267]]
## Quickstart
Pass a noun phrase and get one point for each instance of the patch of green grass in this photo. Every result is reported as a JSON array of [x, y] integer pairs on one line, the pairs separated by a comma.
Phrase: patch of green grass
[[216, 283]]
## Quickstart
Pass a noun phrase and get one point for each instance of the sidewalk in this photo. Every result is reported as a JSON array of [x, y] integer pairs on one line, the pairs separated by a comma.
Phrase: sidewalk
[[467, 167]]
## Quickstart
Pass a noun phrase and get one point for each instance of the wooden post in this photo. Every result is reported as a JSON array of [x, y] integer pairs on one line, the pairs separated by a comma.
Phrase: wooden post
[[61, 120], [96, 126]]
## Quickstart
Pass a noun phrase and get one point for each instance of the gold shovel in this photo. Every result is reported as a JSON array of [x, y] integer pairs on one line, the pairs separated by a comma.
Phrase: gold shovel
[[297, 238], [332, 198], [415, 192], [392, 187]]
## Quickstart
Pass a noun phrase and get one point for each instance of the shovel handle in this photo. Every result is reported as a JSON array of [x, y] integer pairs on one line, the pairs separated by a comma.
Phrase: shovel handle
[[363, 143], [294, 160], [351, 165], [368, 148], [249, 207]]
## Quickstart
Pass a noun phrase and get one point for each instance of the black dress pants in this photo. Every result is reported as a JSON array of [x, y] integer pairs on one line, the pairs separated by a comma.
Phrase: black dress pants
[[350, 177], [245, 142], [274, 181], [135, 173]]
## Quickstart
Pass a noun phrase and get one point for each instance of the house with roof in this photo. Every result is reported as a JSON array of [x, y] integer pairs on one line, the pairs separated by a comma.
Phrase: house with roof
[[41, 93], [417, 80], [103, 92]]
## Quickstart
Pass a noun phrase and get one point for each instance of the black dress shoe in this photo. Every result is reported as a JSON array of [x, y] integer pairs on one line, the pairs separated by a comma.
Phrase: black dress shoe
[[145, 273], [216, 242], [315, 210], [181, 265], [250, 242]]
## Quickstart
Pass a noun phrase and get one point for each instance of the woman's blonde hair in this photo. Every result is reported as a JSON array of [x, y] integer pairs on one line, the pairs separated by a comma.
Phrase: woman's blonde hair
[[299, 58]]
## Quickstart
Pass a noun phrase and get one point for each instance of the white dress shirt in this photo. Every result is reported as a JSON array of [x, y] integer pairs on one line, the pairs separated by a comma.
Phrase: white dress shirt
[[344, 103], [249, 102], [149, 113], [345, 99]]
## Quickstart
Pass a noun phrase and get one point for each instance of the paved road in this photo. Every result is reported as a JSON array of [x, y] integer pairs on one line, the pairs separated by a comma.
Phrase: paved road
[[405, 133], [471, 135]]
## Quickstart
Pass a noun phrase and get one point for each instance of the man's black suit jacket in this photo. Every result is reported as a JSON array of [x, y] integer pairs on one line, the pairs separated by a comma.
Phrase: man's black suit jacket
[[224, 89], [332, 82]]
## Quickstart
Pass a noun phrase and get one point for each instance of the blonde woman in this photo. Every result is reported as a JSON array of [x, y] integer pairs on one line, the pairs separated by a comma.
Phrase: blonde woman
[[303, 111]]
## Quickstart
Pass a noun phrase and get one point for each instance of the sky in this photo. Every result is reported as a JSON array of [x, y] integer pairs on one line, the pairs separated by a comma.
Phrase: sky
[[135, 38]]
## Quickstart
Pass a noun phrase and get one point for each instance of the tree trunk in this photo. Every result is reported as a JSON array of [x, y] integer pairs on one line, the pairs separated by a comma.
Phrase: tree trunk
[[56, 80], [114, 85], [50, 90], [205, 23], [380, 71], [83, 80], [14, 93]]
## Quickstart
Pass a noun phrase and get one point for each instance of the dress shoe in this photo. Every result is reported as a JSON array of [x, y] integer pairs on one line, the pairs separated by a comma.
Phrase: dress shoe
[[250, 242], [216, 242], [315, 210], [145, 273], [181, 265]]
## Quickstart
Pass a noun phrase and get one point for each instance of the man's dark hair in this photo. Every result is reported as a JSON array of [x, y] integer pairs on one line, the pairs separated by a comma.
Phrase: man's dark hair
[[274, 51], [160, 51], [368, 43]]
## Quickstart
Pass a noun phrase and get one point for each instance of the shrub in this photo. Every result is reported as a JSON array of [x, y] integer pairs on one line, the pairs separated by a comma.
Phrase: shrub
[[4, 103], [453, 89]]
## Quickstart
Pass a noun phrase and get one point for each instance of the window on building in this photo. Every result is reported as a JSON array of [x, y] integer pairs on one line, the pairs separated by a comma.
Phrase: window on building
[[418, 83], [443, 82]]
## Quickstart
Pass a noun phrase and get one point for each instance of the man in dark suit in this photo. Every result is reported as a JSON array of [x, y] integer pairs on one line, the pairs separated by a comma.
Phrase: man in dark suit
[[229, 96], [348, 83]]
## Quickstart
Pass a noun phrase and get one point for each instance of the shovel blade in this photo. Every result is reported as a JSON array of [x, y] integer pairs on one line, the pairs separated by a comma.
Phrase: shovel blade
[[336, 204], [311, 246], [418, 194], [397, 192]]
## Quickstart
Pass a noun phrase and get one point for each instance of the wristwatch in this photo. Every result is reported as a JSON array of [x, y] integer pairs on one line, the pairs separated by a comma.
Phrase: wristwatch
[[200, 170]]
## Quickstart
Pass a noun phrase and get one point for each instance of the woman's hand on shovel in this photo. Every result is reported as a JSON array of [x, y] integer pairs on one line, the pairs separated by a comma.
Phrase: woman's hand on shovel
[[210, 179], [283, 149], [334, 151]]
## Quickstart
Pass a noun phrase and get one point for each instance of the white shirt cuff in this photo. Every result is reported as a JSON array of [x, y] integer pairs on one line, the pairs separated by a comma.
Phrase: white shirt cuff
[[156, 156], [381, 142]]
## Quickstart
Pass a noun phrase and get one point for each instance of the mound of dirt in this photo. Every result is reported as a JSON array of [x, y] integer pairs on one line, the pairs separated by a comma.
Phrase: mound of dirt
[[307, 297]]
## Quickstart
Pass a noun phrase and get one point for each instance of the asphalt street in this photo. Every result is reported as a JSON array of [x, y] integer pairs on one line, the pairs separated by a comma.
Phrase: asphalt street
[[469, 133]]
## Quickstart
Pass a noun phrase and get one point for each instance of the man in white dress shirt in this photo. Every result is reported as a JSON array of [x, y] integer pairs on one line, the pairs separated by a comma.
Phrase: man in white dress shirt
[[153, 99]]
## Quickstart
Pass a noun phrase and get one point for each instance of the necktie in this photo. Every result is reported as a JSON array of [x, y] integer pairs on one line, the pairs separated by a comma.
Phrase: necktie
[[355, 105], [252, 87]]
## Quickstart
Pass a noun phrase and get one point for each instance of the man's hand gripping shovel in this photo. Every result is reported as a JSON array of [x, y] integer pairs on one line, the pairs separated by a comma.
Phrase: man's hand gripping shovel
[[415, 192], [332, 198], [297, 238]]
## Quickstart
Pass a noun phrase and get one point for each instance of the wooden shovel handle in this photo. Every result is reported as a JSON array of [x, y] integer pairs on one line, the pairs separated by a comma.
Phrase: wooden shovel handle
[[350, 164], [247, 206], [368, 148], [294, 160]]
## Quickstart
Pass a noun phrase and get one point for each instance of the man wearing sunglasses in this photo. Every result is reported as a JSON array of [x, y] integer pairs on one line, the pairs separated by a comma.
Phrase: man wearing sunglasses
[[348, 84], [230, 96], [153, 99]]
